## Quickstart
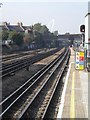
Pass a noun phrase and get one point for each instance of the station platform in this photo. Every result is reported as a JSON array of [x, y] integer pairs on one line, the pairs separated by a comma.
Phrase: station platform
[[74, 100]]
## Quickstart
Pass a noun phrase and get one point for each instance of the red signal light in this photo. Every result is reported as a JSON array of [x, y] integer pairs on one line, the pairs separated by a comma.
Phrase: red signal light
[[82, 28]]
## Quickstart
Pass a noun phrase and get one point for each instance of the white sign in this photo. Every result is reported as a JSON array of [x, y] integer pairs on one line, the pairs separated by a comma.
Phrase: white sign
[[79, 61]]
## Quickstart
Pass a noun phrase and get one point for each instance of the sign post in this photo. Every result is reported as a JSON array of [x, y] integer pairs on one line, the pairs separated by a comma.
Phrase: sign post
[[79, 61]]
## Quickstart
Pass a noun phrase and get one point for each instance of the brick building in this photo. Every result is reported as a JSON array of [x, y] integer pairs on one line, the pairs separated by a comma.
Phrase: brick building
[[19, 27]]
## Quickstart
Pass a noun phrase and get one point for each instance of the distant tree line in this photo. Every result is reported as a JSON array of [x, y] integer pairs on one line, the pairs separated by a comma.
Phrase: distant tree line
[[38, 35]]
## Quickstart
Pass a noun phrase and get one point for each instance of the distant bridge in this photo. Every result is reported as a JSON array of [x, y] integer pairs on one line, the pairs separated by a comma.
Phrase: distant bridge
[[69, 37]]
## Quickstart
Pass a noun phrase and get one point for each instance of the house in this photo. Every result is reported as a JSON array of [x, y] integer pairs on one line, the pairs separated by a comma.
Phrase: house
[[19, 27]]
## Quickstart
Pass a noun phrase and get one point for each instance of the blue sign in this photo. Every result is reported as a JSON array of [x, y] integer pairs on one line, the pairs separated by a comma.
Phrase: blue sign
[[81, 63], [77, 62]]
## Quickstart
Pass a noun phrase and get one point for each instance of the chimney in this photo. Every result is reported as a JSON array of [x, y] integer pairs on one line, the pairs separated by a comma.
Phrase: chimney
[[21, 24], [18, 23], [5, 24]]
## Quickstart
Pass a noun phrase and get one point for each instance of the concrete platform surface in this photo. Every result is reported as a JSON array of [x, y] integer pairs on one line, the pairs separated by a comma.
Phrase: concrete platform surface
[[74, 100]]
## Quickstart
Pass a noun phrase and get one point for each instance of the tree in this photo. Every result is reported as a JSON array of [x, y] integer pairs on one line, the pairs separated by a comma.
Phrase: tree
[[41, 29], [55, 33], [37, 27], [42, 34], [17, 37], [44, 30], [38, 38], [67, 33], [5, 35]]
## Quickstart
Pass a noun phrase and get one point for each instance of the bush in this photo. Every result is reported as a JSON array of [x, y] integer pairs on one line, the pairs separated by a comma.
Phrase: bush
[[17, 37]]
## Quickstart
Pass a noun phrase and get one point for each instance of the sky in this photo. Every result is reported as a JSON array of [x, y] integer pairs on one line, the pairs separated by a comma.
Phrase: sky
[[62, 16]]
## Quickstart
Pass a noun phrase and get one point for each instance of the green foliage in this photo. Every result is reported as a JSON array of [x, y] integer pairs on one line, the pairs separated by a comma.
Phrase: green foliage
[[44, 30], [41, 34], [17, 37], [67, 33], [55, 33], [41, 29], [5, 35], [37, 27], [29, 38]]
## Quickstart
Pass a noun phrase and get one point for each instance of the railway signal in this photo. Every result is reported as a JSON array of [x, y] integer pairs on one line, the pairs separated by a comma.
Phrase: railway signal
[[82, 28]]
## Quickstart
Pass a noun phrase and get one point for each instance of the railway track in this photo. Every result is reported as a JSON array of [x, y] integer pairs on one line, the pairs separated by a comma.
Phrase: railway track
[[40, 87], [12, 57], [15, 66]]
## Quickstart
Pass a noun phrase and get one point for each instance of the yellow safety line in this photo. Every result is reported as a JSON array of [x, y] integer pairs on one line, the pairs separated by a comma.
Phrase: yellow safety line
[[72, 115]]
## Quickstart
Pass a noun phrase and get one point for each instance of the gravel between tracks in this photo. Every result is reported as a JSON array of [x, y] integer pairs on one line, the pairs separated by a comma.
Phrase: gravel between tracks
[[11, 83], [37, 108]]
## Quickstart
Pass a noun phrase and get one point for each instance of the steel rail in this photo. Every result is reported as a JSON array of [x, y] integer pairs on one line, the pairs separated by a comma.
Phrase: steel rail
[[23, 63], [5, 58], [25, 54], [52, 63], [57, 82], [22, 53], [32, 100]]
